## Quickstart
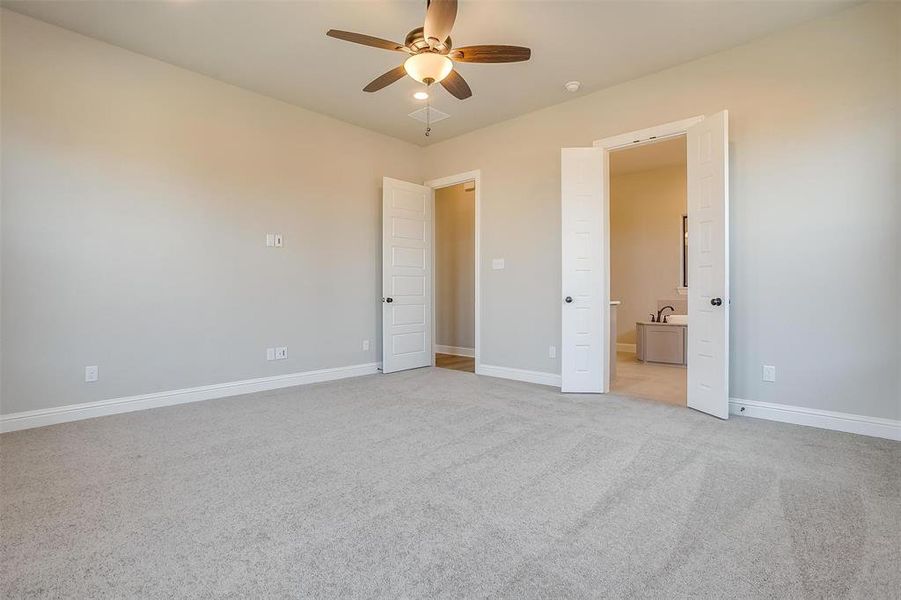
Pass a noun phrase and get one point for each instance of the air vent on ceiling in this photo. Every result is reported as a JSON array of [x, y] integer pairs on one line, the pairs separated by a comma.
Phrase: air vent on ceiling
[[429, 114]]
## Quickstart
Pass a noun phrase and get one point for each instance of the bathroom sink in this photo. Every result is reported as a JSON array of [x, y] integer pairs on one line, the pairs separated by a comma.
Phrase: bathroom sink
[[677, 319]]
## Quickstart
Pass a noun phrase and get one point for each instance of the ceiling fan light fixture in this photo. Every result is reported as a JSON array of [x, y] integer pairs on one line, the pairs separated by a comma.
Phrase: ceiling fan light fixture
[[421, 95], [428, 66]]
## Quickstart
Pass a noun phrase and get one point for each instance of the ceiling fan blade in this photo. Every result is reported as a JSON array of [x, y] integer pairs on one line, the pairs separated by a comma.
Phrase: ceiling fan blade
[[386, 79], [491, 54], [366, 40], [456, 85], [439, 20]]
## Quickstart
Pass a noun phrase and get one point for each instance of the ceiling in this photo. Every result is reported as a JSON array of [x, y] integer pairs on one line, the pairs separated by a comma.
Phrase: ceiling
[[665, 153], [279, 48]]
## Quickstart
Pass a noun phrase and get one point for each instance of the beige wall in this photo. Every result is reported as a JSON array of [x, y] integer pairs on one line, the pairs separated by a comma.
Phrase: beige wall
[[135, 197], [646, 209], [455, 267], [815, 215], [136, 200]]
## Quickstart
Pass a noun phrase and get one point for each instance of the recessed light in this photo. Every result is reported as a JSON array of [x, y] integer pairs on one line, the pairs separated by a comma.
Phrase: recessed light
[[421, 95], [572, 86]]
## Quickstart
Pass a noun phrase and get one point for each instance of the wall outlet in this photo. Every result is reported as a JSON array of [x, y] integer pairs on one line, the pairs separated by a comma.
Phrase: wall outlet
[[91, 373], [552, 352], [365, 345], [281, 353], [769, 373], [497, 264], [270, 353]]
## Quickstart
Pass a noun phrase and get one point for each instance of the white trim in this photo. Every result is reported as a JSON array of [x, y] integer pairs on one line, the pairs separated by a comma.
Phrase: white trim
[[100, 408], [623, 347], [889, 429], [450, 180], [441, 182], [539, 377], [648, 135], [455, 350]]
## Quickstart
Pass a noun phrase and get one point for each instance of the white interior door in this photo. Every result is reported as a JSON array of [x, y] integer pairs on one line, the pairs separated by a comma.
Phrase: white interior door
[[406, 275], [584, 295], [708, 265]]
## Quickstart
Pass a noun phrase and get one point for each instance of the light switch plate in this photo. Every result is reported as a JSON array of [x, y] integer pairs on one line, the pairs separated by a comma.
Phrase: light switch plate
[[278, 240], [769, 373], [281, 353], [365, 345], [270, 240], [91, 374], [497, 264], [552, 352], [270, 353]]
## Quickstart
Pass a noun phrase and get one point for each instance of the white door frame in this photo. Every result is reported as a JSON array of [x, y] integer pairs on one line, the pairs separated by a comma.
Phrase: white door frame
[[630, 139], [444, 182]]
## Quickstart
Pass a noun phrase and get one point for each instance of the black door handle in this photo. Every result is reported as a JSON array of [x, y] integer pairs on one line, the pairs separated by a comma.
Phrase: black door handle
[[389, 299], [568, 299], [716, 301]]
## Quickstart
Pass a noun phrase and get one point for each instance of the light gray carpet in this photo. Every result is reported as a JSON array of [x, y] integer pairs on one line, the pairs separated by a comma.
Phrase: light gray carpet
[[442, 484]]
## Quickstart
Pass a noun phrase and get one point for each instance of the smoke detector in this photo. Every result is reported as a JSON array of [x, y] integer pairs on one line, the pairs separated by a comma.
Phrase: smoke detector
[[572, 86]]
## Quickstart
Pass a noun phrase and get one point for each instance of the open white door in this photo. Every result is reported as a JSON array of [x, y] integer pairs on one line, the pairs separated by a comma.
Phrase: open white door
[[406, 275], [708, 265], [584, 295]]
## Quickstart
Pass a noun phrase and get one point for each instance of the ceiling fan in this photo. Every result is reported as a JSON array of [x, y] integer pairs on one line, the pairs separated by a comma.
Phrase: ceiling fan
[[431, 53]]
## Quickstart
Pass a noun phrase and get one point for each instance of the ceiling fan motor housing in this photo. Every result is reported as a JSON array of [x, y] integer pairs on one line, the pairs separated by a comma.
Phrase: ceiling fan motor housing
[[416, 42]]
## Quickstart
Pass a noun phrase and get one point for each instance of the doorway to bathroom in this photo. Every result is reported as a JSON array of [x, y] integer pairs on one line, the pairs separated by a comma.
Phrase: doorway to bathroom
[[648, 271], [587, 346]]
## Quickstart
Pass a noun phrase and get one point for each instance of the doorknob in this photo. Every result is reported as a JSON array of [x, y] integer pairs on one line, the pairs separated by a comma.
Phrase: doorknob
[[568, 299], [389, 299], [716, 301]]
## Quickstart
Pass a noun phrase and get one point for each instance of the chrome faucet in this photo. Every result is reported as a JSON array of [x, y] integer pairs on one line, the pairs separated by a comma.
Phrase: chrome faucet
[[663, 319]]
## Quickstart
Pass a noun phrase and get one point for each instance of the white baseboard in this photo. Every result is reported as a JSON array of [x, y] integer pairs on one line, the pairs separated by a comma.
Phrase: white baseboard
[[455, 350], [873, 426], [100, 408], [621, 347], [538, 377]]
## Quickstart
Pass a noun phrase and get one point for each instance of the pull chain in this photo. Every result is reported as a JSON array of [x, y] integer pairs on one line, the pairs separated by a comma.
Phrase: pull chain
[[428, 114]]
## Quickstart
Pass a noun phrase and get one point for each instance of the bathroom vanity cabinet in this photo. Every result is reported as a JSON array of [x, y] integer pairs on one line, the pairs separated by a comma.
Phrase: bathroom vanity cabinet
[[661, 342]]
